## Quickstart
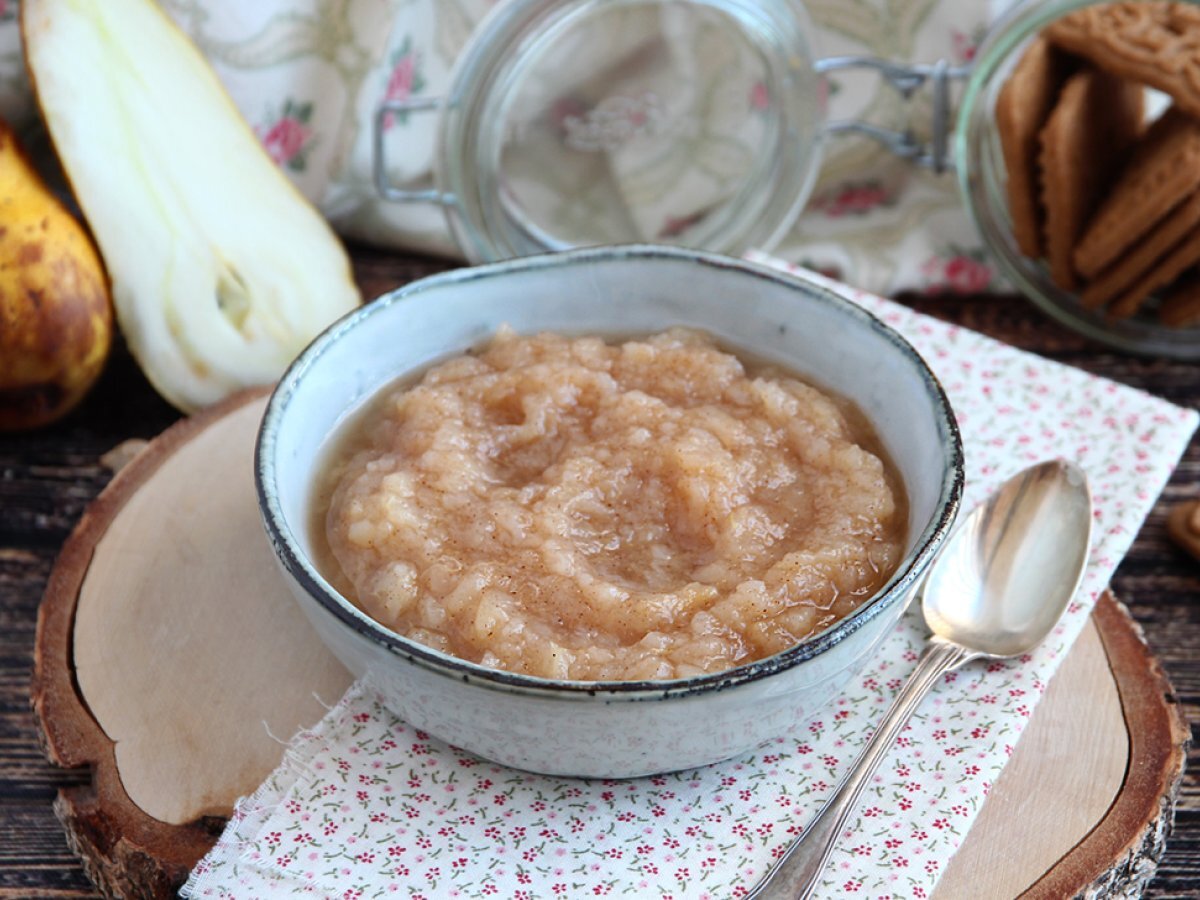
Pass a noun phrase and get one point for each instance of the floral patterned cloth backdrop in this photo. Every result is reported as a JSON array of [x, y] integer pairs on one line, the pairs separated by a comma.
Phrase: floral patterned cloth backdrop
[[308, 74]]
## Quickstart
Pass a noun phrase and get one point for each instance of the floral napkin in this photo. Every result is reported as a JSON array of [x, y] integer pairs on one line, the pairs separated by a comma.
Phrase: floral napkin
[[366, 806], [309, 74]]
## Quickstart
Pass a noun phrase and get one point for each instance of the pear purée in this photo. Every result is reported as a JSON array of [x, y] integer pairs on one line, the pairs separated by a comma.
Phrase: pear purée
[[574, 509]]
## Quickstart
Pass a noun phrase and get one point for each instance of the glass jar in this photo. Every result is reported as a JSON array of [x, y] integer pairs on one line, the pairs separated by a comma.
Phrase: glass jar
[[549, 98], [701, 123], [981, 175]]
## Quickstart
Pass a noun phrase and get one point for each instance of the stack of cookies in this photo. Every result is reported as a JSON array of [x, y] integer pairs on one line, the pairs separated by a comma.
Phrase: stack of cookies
[[1112, 205]]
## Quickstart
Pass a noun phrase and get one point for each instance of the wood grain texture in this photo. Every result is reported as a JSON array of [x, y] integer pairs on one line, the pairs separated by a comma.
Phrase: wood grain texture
[[1057, 798], [182, 603], [47, 478], [120, 846], [1135, 828]]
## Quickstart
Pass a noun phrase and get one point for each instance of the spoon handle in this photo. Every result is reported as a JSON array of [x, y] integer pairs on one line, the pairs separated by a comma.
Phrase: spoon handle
[[798, 871]]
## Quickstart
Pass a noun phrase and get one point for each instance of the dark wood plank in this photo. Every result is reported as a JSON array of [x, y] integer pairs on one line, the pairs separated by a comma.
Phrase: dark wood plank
[[47, 478]]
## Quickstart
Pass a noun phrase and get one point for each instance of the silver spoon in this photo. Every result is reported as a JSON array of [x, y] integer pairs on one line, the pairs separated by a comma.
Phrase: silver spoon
[[996, 590]]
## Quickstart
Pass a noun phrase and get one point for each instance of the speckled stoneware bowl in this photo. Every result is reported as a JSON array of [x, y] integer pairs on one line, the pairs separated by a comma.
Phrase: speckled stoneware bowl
[[608, 729]]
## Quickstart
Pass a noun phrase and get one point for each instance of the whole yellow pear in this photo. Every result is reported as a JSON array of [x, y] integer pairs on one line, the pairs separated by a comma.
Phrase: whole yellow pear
[[56, 320]]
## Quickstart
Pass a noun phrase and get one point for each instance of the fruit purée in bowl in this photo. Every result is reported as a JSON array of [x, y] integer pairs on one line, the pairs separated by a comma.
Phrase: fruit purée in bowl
[[575, 509], [648, 722]]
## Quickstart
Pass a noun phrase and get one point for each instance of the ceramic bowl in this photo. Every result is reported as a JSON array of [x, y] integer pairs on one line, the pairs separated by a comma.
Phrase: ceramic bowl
[[607, 729]]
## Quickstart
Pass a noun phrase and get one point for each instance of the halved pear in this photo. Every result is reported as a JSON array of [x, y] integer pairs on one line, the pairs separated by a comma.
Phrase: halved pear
[[221, 271]]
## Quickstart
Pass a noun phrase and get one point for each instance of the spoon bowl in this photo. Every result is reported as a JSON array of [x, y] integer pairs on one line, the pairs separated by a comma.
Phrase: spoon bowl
[[1005, 576], [999, 586]]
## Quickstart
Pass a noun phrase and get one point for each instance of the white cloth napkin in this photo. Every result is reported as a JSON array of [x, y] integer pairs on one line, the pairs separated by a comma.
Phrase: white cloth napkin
[[309, 74], [365, 806]]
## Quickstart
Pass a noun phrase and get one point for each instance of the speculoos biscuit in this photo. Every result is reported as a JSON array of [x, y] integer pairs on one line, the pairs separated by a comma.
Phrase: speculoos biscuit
[[1150, 249], [1097, 118], [1157, 44], [1163, 171], [1024, 103], [1178, 260], [1180, 306]]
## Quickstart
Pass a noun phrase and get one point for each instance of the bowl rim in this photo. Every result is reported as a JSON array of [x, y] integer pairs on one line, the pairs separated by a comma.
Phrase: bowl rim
[[299, 567]]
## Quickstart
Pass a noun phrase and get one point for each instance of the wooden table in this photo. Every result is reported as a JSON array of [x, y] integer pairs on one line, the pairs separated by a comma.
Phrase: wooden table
[[48, 477]]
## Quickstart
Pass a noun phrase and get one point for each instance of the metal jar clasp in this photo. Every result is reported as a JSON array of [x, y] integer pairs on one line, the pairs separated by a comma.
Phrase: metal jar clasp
[[907, 79], [379, 170]]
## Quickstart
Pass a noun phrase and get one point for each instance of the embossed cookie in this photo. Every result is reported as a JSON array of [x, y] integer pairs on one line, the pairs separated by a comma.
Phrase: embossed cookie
[[1164, 169], [1157, 44], [1137, 262], [1181, 308], [1086, 139], [1022, 108]]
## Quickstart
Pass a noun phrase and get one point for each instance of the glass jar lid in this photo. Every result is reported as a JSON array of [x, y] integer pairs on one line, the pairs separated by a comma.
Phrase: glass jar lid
[[688, 122]]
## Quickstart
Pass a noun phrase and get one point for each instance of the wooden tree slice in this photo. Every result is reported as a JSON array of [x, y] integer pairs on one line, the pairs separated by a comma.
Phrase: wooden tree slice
[[192, 530], [1120, 855], [170, 660], [1083, 747], [170, 657], [1087, 800]]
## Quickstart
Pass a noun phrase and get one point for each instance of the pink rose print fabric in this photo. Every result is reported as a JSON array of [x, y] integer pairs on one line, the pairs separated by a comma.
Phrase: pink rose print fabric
[[405, 79], [856, 199], [288, 136], [960, 270], [366, 806], [873, 218]]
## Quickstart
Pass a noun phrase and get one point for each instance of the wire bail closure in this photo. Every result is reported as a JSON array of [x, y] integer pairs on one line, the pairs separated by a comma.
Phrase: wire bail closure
[[379, 170], [907, 79]]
